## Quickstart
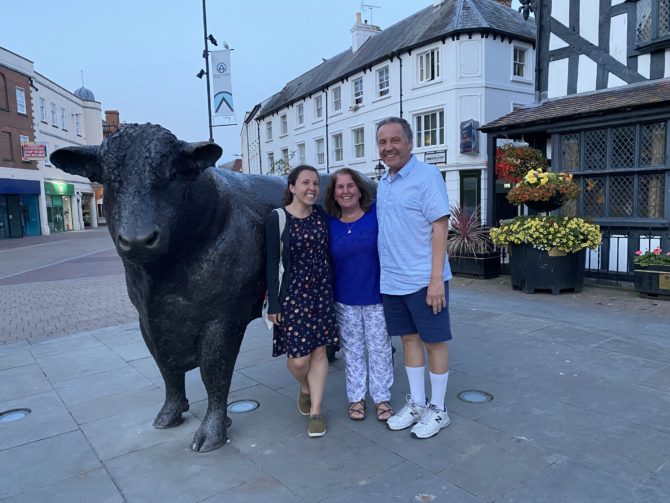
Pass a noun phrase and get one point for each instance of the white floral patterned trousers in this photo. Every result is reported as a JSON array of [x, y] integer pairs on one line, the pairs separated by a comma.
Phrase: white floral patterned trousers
[[364, 327]]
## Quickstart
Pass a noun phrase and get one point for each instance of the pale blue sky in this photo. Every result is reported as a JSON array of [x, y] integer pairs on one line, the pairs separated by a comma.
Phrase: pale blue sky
[[141, 56]]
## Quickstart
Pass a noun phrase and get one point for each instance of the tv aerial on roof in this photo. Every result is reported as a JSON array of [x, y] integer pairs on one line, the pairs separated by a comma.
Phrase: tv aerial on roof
[[369, 7]]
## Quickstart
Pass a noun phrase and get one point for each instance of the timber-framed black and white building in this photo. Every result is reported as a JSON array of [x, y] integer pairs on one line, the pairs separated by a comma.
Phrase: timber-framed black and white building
[[603, 114]]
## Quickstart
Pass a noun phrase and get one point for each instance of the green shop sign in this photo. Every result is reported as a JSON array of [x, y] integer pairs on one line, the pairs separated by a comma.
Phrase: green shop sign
[[58, 188]]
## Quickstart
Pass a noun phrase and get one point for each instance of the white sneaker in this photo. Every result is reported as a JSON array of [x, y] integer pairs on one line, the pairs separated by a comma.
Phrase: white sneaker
[[431, 422], [408, 415]]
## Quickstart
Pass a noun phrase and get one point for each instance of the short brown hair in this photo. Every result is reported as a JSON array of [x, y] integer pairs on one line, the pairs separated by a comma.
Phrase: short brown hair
[[332, 206]]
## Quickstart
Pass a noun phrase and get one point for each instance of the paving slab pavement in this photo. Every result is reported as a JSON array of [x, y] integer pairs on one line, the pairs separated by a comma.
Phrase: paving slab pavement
[[581, 413]]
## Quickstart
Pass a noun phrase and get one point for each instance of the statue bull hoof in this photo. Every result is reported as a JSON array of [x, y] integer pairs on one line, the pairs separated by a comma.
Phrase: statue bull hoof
[[211, 434], [170, 415]]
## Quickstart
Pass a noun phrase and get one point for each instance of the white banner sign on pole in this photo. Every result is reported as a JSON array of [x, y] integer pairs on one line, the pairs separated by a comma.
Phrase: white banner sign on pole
[[221, 82]]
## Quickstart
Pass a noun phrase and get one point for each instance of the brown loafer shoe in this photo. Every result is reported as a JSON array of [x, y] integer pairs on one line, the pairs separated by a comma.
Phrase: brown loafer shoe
[[304, 403], [316, 426]]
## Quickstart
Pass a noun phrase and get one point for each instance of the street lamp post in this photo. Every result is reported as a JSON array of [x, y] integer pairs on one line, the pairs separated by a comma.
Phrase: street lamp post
[[379, 170], [205, 55]]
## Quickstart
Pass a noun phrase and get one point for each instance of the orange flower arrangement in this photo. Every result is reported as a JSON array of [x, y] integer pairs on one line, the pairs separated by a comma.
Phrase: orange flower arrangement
[[513, 162]]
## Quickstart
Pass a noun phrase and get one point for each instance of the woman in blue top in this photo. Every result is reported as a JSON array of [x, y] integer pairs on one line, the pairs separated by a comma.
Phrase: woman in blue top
[[358, 302]]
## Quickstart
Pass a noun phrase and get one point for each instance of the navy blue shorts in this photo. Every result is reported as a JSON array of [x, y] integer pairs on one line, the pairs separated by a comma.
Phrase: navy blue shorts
[[409, 314]]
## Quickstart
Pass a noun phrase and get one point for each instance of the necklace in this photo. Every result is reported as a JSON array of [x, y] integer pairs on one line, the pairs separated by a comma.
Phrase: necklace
[[350, 225]]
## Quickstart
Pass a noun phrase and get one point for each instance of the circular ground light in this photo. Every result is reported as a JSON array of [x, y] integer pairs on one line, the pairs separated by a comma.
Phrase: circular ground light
[[475, 396], [242, 406], [8, 416]]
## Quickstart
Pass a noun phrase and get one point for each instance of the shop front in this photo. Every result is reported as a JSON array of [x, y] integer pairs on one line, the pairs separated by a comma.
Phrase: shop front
[[59, 197], [19, 208]]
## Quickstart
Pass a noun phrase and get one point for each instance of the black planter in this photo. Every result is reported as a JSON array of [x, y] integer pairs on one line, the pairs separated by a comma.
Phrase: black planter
[[653, 281], [543, 206], [532, 269], [484, 265]]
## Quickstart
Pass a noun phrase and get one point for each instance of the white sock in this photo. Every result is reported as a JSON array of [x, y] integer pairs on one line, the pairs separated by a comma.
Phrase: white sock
[[417, 384], [438, 389]]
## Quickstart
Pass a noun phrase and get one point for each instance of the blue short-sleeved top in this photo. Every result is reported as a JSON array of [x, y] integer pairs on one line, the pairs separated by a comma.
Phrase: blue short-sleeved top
[[407, 205], [354, 259]]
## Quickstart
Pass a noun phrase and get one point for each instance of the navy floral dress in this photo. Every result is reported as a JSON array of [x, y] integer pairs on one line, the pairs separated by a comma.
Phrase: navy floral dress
[[308, 315]]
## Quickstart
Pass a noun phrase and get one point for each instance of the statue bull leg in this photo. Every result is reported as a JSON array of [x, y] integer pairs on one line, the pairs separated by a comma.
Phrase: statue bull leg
[[175, 400], [220, 345]]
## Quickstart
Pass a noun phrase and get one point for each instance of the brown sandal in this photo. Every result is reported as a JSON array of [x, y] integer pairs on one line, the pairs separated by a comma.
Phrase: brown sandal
[[384, 411], [357, 410]]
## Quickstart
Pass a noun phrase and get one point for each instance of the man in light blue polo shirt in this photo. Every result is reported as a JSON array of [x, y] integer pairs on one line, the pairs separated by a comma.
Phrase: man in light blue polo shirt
[[413, 214]]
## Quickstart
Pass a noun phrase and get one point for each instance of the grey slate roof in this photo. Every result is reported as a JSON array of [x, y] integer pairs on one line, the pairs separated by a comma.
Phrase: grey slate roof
[[633, 96], [452, 18], [84, 94]]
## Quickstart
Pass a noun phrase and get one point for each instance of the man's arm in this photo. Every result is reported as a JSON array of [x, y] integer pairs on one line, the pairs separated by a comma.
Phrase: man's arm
[[435, 296]]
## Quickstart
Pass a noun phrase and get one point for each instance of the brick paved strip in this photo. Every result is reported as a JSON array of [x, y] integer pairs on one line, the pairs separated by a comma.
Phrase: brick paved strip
[[33, 311]]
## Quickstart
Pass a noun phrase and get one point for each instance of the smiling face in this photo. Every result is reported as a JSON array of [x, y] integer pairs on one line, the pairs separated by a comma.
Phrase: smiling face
[[306, 188], [347, 194], [395, 149]]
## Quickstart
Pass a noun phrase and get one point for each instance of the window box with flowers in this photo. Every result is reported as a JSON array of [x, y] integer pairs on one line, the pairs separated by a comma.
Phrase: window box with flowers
[[652, 273]]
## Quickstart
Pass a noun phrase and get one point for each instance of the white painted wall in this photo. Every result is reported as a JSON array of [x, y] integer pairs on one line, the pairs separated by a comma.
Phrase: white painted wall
[[618, 38], [476, 83], [587, 73], [558, 78], [56, 136]]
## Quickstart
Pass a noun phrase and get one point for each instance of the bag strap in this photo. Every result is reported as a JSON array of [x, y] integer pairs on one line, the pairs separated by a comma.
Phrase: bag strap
[[281, 219]]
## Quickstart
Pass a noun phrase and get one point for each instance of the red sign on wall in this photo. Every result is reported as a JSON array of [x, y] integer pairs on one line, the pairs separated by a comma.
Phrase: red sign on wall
[[33, 151]]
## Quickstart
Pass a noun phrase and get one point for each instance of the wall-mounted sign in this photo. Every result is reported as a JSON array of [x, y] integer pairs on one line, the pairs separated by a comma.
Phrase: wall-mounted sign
[[469, 136], [58, 188], [435, 157], [33, 151]]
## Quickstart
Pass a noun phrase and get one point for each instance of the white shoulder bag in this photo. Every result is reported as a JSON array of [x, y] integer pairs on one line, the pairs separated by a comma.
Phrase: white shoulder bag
[[281, 218]]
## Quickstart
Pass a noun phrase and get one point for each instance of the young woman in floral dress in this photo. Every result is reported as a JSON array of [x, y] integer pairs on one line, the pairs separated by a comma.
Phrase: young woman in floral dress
[[302, 308]]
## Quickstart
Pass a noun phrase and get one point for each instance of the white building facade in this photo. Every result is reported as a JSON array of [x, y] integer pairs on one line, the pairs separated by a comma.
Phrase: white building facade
[[475, 64], [59, 118], [64, 119]]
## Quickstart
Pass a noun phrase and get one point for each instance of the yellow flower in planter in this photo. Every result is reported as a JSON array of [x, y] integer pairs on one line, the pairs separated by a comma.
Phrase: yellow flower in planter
[[567, 234]]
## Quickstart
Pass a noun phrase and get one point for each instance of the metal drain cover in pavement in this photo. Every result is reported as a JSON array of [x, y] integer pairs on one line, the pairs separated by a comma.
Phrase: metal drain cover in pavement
[[8, 416], [475, 396], [242, 406]]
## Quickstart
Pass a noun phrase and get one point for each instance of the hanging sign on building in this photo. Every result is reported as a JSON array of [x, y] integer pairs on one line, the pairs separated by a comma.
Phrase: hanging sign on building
[[469, 136], [222, 84], [33, 151], [436, 157]]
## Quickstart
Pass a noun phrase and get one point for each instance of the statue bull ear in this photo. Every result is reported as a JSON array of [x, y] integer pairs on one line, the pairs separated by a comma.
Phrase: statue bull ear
[[82, 161], [201, 155]]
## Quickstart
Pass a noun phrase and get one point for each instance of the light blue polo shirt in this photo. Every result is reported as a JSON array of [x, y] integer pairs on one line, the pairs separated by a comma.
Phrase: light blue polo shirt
[[407, 204]]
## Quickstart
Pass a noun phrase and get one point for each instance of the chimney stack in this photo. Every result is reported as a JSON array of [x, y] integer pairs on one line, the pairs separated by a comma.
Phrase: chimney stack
[[361, 32]]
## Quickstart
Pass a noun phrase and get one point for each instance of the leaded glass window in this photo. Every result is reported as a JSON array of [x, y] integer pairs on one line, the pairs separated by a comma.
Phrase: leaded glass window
[[621, 197], [595, 150], [594, 197], [651, 196], [623, 147], [652, 144], [570, 151]]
